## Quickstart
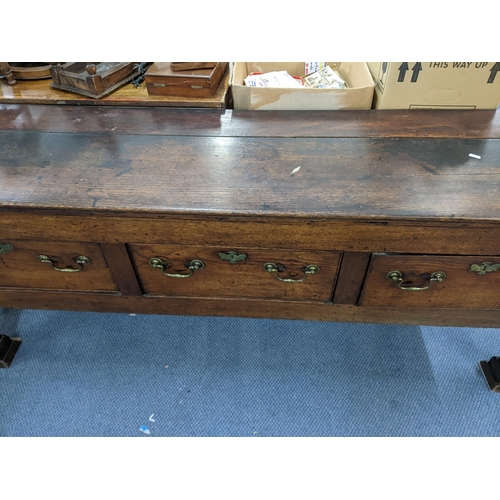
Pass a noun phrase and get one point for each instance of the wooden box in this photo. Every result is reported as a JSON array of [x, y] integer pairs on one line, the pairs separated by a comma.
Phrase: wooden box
[[162, 81], [93, 79]]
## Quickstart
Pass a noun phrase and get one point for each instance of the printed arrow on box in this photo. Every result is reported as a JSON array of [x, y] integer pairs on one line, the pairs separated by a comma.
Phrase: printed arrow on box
[[416, 70], [493, 72], [402, 71]]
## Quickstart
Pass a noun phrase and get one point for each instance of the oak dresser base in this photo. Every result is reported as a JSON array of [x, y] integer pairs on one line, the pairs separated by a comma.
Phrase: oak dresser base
[[342, 216]]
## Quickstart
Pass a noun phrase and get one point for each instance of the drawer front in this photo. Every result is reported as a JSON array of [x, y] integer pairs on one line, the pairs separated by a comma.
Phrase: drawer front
[[54, 266], [236, 272], [469, 282]]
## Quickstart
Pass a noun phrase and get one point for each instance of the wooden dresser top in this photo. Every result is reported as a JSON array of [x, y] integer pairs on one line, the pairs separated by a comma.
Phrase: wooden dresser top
[[319, 164]]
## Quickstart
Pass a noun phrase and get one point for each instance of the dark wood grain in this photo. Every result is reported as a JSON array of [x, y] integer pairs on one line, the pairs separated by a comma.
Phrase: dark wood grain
[[478, 124], [121, 268], [351, 277], [410, 178]]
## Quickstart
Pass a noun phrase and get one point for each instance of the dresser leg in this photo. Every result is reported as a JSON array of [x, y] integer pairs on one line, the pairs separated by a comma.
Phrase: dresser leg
[[491, 372], [8, 349]]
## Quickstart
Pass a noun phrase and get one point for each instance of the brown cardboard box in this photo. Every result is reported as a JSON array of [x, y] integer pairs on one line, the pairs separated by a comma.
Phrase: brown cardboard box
[[441, 85], [359, 95]]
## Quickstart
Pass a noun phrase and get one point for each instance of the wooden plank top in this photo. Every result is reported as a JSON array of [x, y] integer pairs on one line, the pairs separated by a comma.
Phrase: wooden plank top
[[312, 177], [478, 124]]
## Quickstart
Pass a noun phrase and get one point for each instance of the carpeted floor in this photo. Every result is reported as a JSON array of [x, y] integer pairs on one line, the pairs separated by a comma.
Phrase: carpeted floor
[[90, 374]]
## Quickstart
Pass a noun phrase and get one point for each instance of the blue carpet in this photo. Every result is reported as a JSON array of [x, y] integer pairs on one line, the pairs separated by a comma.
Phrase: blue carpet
[[91, 374]]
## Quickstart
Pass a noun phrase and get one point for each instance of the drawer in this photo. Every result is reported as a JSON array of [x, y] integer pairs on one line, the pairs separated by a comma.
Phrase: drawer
[[468, 282], [194, 271], [54, 266]]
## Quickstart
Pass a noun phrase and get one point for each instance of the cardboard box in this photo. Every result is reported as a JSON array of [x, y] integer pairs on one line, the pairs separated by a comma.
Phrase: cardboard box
[[359, 95], [436, 85]]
